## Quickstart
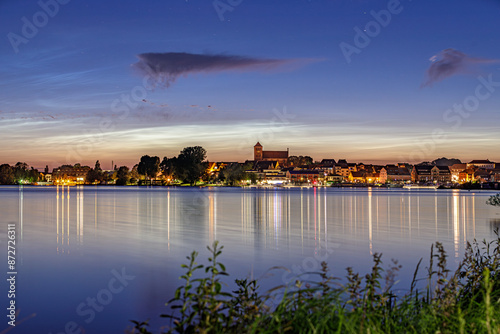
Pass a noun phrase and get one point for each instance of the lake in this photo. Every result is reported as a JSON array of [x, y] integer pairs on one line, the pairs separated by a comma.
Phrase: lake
[[96, 257]]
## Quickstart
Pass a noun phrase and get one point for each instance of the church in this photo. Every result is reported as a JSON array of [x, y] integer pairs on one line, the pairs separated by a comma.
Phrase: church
[[260, 155]]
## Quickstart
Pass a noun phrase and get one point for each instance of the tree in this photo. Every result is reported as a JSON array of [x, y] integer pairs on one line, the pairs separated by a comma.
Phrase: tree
[[252, 177], [134, 175], [22, 173], [233, 174], [122, 176], [306, 160], [95, 174], [149, 166], [190, 164], [293, 160], [299, 160], [445, 162], [6, 174], [167, 167]]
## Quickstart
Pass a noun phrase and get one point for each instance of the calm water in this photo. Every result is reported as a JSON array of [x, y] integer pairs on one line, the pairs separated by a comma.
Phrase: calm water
[[97, 257]]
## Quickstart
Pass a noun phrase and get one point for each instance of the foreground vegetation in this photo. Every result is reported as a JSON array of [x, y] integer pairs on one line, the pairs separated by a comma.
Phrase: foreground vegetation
[[465, 301], [494, 200]]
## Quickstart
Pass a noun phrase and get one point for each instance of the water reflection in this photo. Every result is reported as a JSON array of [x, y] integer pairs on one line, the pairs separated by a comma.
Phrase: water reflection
[[494, 224], [357, 216], [456, 221], [299, 219], [81, 233], [370, 222], [212, 217], [21, 211], [63, 218]]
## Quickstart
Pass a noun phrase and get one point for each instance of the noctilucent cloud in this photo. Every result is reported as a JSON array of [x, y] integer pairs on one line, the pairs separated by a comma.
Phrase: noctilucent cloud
[[371, 81]]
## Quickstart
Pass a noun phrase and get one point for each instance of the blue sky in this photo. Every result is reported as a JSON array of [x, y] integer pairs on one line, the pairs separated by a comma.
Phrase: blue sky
[[70, 93]]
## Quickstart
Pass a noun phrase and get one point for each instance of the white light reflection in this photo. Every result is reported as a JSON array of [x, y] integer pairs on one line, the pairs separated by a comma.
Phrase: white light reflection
[[456, 221], [21, 211], [57, 218], [212, 216], [302, 218], [370, 222], [67, 220], [168, 220], [79, 213]]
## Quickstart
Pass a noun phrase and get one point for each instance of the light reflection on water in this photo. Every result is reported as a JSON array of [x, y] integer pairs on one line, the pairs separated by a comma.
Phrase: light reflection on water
[[70, 239]]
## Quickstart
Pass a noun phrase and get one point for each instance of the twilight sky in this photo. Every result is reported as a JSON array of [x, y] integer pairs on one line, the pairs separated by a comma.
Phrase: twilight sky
[[372, 81]]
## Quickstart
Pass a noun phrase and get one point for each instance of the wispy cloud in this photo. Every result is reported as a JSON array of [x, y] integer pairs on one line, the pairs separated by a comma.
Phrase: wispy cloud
[[165, 68], [450, 62]]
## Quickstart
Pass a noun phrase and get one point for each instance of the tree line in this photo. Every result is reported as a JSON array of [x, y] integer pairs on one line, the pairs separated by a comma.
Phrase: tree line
[[20, 173], [188, 167]]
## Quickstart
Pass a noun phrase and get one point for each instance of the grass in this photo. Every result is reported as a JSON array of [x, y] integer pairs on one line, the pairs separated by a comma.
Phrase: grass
[[494, 200], [464, 301]]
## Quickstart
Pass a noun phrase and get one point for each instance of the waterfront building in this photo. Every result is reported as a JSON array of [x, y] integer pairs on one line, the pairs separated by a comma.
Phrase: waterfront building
[[70, 174], [421, 173], [393, 173], [304, 176]]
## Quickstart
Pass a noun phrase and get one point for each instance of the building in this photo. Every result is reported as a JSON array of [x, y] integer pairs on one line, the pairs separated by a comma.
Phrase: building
[[273, 176], [260, 155], [393, 173], [328, 165], [467, 175], [421, 174], [335, 178], [455, 170], [262, 165], [441, 174], [486, 164], [363, 176], [70, 174], [429, 173], [482, 175], [304, 176], [328, 162]]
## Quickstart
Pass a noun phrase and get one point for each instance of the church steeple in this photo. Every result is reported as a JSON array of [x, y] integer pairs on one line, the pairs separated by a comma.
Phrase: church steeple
[[257, 152]]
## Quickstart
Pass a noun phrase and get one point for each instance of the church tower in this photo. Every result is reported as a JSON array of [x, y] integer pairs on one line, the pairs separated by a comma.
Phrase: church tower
[[257, 152]]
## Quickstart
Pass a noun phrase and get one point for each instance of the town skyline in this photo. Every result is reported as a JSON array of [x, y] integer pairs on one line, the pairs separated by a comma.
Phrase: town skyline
[[227, 158], [133, 161], [268, 168], [360, 80], [251, 157]]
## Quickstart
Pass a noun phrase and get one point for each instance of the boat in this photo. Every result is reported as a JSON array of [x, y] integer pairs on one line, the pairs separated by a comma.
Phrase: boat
[[418, 186]]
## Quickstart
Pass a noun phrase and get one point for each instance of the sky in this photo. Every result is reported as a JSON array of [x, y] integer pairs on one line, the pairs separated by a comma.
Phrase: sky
[[367, 81]]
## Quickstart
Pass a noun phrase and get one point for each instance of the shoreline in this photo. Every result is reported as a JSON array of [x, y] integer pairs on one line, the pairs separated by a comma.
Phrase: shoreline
[[413, 187]]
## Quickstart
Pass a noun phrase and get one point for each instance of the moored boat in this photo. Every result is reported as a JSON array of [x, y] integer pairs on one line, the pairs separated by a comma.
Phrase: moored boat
[[418, 186]]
